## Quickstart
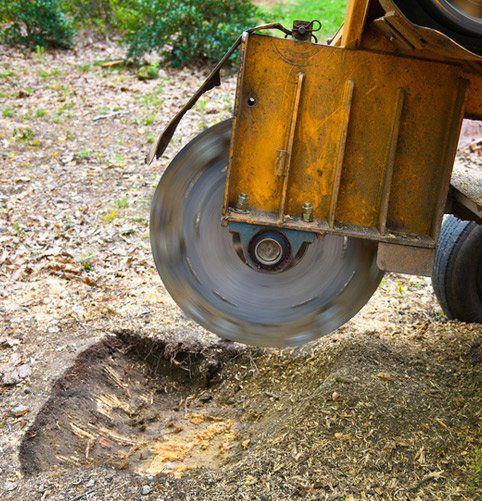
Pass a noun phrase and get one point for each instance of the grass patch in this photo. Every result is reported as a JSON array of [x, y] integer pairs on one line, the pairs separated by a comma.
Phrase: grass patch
[[39, 51], [17, 230], [149, 72], [64, 107], [55, 72], [122, 203], [329, 12], [7, 74], [86, 262], [477, 472], [24, 135], [110, 216], [84, 154], [84, 68], [150, 100]]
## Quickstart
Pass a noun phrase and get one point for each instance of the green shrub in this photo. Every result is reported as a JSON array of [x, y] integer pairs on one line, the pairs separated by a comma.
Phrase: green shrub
[[184, 31], [102, 14], [35, 23], [86, 12]]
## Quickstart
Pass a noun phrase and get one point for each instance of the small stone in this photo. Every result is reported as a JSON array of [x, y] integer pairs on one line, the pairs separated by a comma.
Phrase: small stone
[[91, 482], [41, 488], [14, 374], [104, 443], [146, 489], [20, 410], [27, 390], [10, 486], [335, 396]]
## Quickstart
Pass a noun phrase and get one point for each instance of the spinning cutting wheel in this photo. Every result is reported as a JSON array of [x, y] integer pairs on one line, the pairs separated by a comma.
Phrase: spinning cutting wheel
[[338, 167], [267, 286]]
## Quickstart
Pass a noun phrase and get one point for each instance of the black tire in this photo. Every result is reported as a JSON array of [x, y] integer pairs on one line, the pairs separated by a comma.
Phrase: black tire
[[457, 271], [426, 13]]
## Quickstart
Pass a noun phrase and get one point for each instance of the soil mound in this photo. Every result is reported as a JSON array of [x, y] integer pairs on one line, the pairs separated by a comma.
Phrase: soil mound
[[365, 415]]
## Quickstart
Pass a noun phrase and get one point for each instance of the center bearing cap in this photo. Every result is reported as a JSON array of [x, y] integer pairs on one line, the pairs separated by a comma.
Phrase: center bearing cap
[[270, 250]]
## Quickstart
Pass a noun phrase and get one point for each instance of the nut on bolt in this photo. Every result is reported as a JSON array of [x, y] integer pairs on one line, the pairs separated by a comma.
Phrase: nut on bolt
[[307, 212], [242, 202]]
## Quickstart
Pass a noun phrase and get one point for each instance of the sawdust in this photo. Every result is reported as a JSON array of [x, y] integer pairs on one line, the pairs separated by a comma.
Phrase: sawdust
[[361, 415], [195, 443]]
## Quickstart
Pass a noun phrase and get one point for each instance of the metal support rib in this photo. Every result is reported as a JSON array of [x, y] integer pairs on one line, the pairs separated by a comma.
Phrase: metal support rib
[[448, 156], [347, 102], [391, 153], [289, 146]]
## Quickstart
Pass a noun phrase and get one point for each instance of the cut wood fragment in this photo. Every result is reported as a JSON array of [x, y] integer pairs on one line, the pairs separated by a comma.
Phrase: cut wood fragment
[[81, 432]]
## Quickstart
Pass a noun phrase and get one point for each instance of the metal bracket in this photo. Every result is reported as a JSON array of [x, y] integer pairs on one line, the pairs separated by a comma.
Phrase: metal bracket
[[247, 231]]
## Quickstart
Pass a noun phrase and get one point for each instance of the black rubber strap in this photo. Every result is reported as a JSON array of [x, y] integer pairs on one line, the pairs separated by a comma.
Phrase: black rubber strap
[[213, 80]]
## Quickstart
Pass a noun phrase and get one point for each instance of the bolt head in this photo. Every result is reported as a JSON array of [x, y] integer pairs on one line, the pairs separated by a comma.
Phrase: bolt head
[[242, 202], [307, 212]]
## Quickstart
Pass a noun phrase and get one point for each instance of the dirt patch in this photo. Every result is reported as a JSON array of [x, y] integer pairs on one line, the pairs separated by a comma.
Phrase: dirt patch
[[126, 404], [354, 414]]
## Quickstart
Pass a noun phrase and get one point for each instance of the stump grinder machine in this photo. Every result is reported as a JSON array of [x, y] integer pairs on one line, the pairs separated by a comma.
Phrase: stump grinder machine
[[275, 228]]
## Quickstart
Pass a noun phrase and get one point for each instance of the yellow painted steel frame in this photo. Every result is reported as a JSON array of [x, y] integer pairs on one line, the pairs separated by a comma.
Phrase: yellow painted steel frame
[[366, 134]]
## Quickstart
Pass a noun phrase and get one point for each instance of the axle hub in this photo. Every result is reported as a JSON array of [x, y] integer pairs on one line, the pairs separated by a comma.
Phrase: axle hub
[[269, 250]]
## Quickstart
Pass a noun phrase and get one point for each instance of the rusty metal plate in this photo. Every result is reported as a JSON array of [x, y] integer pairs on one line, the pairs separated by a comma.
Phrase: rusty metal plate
[[405, 259], [367, 138]]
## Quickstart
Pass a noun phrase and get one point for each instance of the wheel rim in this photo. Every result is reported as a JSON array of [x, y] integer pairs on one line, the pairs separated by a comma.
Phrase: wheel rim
[[463, 15]]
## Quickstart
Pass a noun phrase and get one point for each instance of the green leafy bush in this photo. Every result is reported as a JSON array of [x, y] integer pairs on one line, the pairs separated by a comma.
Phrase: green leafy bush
[[35, 23], [88, 12], [102, 14], [185, 31]]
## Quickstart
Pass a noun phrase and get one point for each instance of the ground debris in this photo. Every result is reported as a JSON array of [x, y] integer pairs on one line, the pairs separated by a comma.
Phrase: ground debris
[[75, 265], [306, 440]]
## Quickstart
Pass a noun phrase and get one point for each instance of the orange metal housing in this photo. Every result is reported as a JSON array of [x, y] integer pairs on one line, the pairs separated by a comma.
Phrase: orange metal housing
[[365, 129]]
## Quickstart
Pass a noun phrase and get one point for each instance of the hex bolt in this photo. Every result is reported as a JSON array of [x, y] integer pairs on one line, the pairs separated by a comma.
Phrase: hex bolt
[[307, 212], [242, 202]]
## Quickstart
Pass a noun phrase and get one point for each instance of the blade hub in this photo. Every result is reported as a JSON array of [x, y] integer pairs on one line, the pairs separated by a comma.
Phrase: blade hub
[[269, 250]]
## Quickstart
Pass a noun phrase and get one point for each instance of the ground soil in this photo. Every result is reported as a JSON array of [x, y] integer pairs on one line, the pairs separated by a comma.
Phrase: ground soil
[[109, 392]]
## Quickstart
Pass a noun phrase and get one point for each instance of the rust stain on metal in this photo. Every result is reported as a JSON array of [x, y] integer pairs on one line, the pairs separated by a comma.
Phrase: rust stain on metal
[[347, 101], [367, 154], [289, 146], [392, 148]]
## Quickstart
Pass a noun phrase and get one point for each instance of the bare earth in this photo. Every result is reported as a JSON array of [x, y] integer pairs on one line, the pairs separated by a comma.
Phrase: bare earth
[[107, 391]]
